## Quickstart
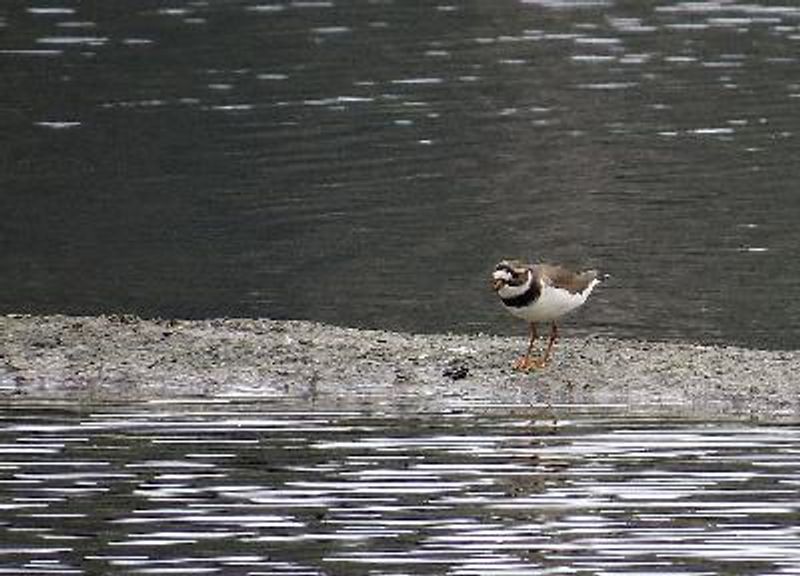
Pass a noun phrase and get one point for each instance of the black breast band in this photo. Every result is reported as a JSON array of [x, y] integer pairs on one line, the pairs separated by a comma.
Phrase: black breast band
[[522, 300]]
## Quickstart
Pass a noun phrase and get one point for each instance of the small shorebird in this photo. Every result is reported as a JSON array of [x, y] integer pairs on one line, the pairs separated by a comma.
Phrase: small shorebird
[[540, 293]]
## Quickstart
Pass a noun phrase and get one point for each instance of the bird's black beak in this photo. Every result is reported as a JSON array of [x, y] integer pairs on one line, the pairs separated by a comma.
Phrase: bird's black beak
[[497, 284]]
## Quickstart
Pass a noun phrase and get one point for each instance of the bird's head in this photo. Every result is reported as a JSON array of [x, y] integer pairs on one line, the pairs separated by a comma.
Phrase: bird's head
[[509, 273]]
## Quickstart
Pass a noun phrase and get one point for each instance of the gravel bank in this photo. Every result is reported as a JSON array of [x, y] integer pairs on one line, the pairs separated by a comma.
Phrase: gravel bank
[[113, 358]]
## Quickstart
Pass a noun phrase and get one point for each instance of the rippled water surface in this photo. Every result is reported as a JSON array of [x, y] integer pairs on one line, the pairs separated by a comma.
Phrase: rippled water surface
[[234, 488], [367, 162]]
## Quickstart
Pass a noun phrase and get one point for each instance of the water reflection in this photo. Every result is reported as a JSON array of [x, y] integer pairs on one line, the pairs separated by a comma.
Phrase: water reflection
[[227, 145], [247, 489]]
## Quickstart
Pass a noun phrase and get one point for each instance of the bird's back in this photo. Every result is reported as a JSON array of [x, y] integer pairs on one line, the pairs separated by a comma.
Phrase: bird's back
[[560, 277]]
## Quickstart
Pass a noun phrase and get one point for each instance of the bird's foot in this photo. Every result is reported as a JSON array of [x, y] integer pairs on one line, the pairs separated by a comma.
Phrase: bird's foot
[[527, 363]]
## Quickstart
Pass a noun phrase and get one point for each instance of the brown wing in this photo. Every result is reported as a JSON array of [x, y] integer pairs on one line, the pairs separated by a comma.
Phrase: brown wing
[[560, 277]]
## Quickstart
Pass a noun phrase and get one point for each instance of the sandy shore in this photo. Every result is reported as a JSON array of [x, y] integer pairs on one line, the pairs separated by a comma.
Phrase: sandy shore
[[112, 358]]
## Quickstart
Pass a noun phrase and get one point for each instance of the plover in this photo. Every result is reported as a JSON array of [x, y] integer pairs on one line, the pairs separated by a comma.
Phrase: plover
[[540, 293]]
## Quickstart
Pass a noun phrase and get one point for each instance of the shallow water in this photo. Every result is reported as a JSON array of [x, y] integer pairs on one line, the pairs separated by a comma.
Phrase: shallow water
[[246, 488], [367, 162]]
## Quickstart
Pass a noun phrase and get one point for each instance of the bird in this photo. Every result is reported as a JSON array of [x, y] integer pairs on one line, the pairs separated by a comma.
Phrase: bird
[[540, 293]]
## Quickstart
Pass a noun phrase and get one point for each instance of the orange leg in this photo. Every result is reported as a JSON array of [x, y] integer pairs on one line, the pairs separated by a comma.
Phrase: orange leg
[[527, 362], [550, 344]]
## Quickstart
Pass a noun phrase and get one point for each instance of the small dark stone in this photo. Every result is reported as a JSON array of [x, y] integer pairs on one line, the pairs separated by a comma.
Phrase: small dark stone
[[458, 372]]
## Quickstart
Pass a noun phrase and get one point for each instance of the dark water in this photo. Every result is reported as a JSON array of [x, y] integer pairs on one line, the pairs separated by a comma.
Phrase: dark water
[[235, 489], [367, 162]]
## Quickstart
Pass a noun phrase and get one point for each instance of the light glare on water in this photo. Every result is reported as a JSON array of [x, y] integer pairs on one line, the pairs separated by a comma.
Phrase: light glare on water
[[247, 489]]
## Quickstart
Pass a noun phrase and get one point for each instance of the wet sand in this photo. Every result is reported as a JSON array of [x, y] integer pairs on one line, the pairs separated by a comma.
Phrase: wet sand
[[124, 358]]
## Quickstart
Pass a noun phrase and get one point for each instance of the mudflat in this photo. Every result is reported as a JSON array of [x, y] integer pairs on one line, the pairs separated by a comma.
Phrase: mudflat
[[126, 358]]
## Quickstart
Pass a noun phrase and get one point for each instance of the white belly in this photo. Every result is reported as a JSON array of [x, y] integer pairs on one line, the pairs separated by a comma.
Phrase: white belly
[[551, 304]]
